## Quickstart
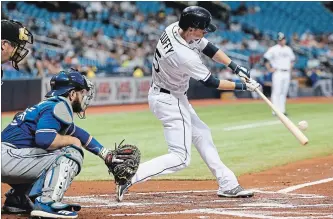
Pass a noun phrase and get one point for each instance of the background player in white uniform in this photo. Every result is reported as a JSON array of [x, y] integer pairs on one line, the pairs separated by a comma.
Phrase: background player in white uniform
[[177, 59], [280, 61]]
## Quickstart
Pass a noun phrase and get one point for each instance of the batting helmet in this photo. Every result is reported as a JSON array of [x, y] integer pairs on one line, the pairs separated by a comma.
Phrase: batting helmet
[[196, 17], [18, 36]]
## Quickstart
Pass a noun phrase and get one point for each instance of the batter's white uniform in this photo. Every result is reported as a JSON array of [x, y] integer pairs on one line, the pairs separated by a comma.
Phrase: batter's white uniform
[[175, 61], [281, 58]]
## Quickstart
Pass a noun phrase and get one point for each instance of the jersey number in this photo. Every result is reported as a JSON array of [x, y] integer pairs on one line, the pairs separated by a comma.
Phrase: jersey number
[[156, 65], [21, 115]]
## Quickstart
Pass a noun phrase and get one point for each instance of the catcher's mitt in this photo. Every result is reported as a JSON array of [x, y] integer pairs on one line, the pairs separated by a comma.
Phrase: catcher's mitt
[[123, 162]]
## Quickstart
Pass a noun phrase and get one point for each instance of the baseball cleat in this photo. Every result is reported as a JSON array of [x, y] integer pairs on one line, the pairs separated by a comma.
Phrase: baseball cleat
[[237, 192], [121, 190], [45, 210]]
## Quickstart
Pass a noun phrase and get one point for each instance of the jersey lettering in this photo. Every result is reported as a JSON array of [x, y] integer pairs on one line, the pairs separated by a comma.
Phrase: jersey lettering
[[156, 65], [166, 43]]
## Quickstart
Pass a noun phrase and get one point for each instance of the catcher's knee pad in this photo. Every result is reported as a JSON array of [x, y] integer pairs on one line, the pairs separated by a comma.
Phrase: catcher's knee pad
[[60, 175], [76, 154]]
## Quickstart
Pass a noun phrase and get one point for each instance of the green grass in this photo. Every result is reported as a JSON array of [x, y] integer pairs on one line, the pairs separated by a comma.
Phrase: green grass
[[244, 151]]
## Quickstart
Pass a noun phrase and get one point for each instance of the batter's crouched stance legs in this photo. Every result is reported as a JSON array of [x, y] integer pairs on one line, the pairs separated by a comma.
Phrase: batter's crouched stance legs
[[52, 185], [182, 127]]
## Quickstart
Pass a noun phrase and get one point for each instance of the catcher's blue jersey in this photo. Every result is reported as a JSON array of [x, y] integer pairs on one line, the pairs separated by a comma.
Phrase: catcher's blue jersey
[[39, 123]]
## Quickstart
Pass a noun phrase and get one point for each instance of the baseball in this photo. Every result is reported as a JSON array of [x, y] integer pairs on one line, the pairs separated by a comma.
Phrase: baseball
[[303, 125]]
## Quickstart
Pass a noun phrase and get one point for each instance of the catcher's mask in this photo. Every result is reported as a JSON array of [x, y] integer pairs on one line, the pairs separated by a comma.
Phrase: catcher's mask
[[18, 36], [66, 81]]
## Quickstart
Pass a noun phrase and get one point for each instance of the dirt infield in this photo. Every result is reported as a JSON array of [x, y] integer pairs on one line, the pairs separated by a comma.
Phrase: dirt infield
[[279, 192], [298, 190]]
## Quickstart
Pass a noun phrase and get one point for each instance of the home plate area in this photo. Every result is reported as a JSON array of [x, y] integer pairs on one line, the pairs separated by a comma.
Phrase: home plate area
[[267, 203]]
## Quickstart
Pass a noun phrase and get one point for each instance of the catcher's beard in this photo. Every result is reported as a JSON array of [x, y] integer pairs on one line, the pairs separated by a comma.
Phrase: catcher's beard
[[76, 105]]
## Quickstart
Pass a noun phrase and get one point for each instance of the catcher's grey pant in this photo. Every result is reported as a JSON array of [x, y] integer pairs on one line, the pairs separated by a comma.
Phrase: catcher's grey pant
[[182, 127], [27, 165], [24, 165]]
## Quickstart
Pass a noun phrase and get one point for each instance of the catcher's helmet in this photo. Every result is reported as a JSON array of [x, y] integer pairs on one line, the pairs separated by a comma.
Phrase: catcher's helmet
[[196, 17], [65, 81], [18, 36]]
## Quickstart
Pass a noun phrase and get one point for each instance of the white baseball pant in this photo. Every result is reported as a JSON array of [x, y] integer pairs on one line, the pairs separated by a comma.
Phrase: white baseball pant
[[182, 127], [280, 87]]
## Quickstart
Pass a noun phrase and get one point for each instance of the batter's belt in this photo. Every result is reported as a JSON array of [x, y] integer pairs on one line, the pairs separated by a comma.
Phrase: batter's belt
[[160, 89]]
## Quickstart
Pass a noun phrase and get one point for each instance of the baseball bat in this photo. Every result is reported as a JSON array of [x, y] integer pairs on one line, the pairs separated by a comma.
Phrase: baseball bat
[[284, 119]]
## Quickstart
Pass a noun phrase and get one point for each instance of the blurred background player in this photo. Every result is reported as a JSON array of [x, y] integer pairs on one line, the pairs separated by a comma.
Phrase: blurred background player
[[41, 149], [280, 60], [176, 60], [14, 37]]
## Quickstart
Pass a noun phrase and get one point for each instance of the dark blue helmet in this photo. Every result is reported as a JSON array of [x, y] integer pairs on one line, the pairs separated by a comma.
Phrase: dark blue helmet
[[65, 81], [196, 17], [280, 36]]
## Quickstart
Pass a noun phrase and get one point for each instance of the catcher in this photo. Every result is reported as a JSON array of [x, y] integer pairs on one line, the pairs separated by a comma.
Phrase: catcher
[[42, 150]]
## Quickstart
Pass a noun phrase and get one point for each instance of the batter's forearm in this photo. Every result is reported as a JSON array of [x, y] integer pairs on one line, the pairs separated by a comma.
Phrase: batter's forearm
[[222, 58], [229, 85], [61, 141], [213, 82]]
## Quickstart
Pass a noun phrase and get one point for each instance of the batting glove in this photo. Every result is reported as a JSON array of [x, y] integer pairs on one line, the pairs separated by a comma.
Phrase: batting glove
[[242, 72], [251, 84]]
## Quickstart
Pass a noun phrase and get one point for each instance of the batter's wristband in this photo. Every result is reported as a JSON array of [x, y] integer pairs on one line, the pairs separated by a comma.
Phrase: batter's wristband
[[233, 66], [240, 86]]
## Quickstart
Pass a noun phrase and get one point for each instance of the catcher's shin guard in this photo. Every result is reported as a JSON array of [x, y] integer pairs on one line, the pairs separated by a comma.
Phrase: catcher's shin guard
[[57, 180], [60, 176]]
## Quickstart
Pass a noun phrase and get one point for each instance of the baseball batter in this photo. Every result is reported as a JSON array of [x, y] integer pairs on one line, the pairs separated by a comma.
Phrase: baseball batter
[[176, 59], [279, 60], [41, 150]]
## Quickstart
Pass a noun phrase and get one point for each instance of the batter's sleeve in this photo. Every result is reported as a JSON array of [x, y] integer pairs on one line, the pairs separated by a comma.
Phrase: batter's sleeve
[[196, 69], [47, 128], [202, 44]]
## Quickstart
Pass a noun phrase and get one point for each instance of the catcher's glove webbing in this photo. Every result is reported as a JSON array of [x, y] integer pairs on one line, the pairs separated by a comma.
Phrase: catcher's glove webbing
[[123, 162]]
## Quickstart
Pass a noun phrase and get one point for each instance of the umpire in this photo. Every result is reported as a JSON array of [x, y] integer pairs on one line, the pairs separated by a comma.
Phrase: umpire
[[14, 37]]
